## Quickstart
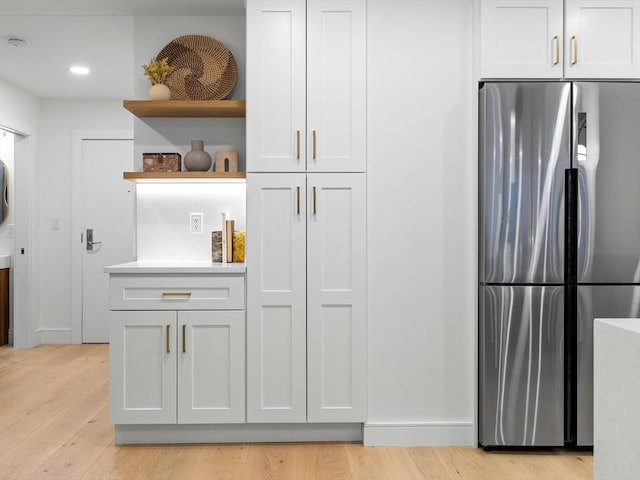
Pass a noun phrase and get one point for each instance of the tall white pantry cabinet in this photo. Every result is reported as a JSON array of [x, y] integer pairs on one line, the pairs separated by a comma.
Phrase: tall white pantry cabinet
[[306, 211]]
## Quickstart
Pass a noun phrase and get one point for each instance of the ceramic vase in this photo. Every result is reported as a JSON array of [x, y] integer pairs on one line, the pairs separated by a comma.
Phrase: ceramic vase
[[159, 92], [197, 160]]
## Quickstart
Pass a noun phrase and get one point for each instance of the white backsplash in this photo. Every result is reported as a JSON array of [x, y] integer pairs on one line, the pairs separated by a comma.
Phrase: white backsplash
[[163, 218]]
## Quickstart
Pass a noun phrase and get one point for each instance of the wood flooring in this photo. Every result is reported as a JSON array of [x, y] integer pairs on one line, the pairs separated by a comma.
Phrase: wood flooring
[[54, 424]]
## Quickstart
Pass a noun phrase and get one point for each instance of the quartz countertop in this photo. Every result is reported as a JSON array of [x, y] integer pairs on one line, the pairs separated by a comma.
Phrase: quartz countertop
[[175, 267]]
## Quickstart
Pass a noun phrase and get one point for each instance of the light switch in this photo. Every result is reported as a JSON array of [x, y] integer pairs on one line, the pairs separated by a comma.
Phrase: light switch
[[11, 230], [55, 223]]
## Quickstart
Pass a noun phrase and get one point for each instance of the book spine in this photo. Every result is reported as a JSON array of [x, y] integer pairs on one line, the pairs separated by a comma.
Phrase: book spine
[[229, 234], [224, 237]]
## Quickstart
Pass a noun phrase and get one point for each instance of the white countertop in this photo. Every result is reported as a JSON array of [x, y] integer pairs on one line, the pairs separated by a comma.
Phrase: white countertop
[[176, 267], [631, 324]]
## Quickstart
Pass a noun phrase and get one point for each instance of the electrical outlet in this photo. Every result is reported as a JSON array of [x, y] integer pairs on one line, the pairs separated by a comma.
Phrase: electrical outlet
[[195, 222]]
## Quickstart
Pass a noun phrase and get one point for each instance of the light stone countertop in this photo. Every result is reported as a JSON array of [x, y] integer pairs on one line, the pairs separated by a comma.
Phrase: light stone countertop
[[616, 369], [175, 268]]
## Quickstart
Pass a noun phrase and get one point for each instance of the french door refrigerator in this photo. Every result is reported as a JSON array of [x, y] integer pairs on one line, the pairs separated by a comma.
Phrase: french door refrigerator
[[559, 245]]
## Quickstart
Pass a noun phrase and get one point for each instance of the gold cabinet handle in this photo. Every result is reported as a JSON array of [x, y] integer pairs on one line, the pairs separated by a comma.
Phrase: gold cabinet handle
[[315, 211], [556, 50], [167, 334], [313, 143], [298, 144], [574, 50], [176, 294], [184, 339], [298, 200]]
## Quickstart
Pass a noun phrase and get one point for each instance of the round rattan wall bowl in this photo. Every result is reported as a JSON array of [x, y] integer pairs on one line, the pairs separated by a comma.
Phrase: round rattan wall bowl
[[205, 68]]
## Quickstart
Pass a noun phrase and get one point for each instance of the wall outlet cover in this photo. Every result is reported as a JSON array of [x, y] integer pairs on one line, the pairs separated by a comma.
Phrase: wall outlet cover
[[195, 222]]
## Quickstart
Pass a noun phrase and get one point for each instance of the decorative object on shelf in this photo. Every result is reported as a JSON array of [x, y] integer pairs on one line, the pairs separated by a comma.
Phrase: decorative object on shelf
[[216, 246], [226, 161], [197, 160], [205, 69], [161, 162], [238, 246], [158, 71]]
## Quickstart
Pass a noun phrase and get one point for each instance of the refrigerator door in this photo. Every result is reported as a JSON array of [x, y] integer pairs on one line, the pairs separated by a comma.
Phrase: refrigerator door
[[521, 378], [607, 155], [524, 150], [597, 301]]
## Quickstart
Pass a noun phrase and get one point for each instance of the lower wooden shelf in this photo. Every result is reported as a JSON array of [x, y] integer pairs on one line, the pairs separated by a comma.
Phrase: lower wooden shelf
[[184, 176]]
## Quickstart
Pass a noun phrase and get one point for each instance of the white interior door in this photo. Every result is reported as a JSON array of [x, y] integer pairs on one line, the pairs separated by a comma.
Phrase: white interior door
[[108, 210]]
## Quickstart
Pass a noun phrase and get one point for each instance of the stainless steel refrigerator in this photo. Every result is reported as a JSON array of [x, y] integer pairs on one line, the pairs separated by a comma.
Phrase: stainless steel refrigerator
[[559, 245]]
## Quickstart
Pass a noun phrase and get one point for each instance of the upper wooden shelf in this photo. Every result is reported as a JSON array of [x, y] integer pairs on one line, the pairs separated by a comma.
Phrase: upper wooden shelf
[[183, 176], [186, 108]]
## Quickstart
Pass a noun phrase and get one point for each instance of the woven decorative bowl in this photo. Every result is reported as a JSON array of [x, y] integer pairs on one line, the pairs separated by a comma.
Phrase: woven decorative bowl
[[205, 68]]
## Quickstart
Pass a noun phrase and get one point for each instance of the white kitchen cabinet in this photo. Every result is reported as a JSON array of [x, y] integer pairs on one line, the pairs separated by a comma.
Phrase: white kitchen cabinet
[[602, 38], [306, 85], [336, 298], [306, 277], [276, 298], [556, 39], [521, 38], [142, 362], [176, 365]]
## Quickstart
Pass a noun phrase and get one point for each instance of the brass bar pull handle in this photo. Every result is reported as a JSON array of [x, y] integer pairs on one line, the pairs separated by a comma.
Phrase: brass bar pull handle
[[315, 210], [184, 339], [176, 294], [298, 144], [574, 50], [298, 200], [167, 334], [313, 143], [556, 50]]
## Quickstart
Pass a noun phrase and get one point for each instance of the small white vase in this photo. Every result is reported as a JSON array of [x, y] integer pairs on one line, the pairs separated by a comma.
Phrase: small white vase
[[159, 92]]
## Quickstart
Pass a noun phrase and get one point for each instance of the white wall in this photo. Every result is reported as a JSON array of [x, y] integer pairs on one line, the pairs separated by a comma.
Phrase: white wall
[[59, 119], [421, 223], [163, 212]]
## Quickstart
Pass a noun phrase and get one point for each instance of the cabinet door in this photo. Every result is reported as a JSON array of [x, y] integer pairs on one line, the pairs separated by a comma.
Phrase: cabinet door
[[275, 86], [521, 38], [142, 357], [336, 309], [336, 86], [211, 366], [602, 38], [276, 298]]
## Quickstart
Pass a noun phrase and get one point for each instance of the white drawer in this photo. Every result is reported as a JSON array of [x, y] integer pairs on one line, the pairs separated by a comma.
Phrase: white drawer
[[176, 292]]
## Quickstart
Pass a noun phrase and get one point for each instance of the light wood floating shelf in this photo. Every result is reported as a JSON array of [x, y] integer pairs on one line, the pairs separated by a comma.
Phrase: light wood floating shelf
[[186, 108], [185, 177]]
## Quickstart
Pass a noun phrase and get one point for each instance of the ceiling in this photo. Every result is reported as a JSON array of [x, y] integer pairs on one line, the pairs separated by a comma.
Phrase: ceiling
[[63, 33]]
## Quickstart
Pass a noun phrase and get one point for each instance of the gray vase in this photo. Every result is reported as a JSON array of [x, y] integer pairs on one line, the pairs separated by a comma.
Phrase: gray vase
[[197, 160]]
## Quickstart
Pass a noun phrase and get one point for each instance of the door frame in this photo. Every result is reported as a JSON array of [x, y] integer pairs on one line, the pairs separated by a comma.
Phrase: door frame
[[23, 332], [77, 245]]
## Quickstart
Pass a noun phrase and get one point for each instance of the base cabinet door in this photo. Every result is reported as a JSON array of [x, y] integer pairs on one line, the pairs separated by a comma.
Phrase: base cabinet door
[[276, 298], [211, 367], [336, 298], [142, 356]]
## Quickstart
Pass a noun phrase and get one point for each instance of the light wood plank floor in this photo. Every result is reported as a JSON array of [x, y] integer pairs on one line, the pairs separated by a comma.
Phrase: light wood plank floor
[[54, 424]]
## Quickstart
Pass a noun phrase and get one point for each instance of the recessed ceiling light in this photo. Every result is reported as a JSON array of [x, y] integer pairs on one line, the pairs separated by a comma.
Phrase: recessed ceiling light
[[79, 70]]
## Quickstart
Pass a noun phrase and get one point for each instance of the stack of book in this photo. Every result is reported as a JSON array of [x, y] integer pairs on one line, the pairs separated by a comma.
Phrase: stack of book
[[227, 245]]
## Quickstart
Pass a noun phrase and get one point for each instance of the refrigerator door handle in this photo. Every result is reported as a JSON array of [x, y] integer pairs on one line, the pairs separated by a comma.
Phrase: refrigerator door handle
[[571, 225]]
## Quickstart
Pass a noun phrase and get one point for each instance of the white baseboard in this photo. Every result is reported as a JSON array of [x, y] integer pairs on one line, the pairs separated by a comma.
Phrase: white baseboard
[[428, 434], [54, 335], [238, 433]]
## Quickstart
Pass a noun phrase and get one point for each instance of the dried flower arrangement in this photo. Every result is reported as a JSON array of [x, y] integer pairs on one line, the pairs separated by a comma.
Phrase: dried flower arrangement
[[158, 70]]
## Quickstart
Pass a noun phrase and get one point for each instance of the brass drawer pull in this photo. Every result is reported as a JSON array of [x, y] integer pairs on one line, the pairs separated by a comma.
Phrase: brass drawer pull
[[184, 339], [168, 332], [176, 294]]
